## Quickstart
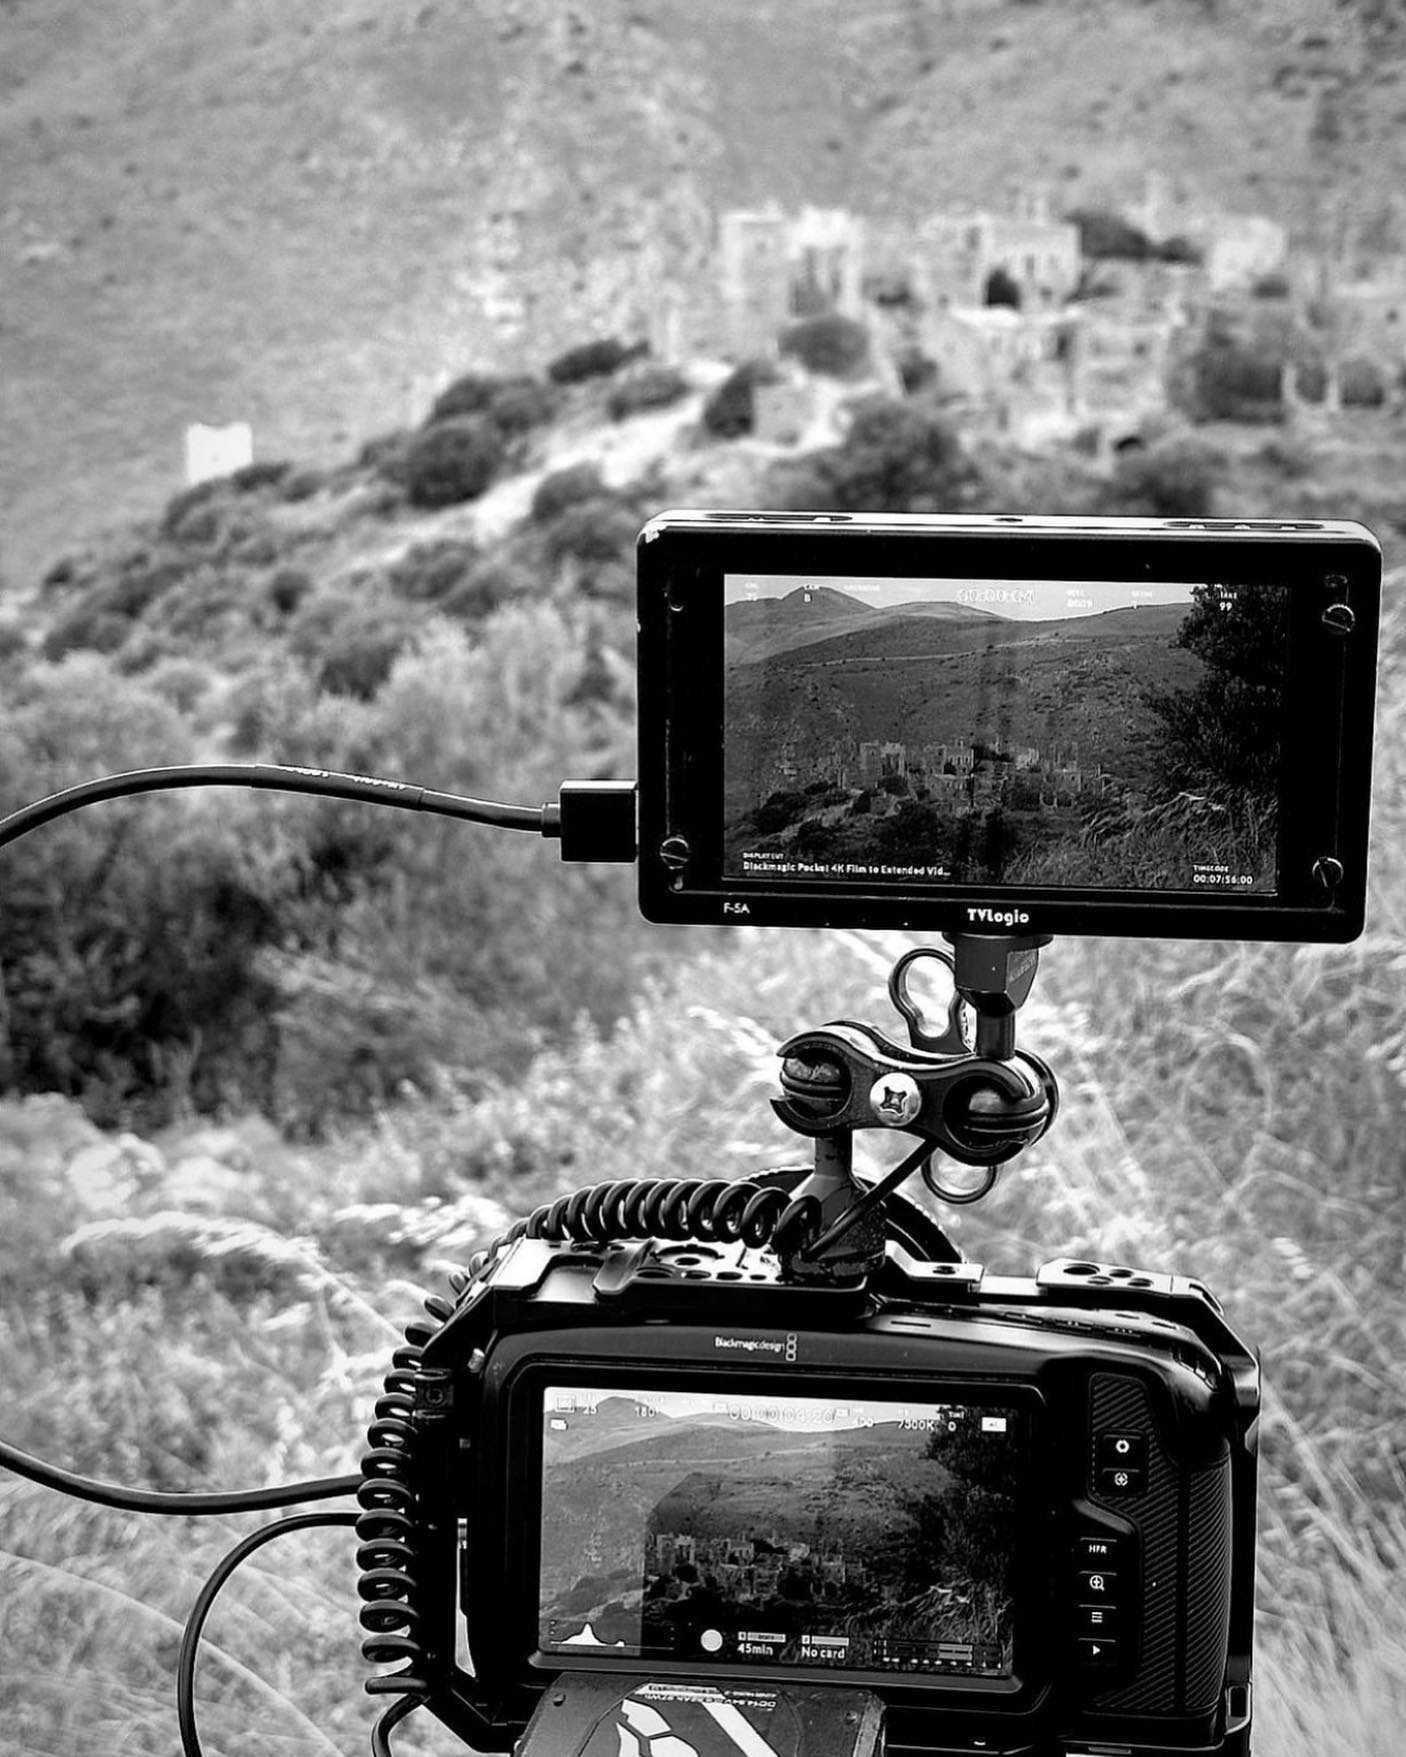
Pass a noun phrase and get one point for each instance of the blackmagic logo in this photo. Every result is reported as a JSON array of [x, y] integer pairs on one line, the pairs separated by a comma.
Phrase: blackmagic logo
[[999, 917], [758, 1345]]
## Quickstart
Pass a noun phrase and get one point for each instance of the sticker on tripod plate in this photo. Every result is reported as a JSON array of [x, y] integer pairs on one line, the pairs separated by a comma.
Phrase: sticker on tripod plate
[[686, 1720]]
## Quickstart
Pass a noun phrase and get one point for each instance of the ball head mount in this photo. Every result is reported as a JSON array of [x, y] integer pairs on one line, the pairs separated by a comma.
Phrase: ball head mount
[[964, 1089]]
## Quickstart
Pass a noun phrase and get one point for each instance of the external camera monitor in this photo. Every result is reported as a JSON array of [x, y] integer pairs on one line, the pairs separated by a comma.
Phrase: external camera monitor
[[1151, 727]]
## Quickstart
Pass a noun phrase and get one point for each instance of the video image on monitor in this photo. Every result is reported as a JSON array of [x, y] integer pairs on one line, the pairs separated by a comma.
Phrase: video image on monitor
[[741, 1529], [1047, 733]]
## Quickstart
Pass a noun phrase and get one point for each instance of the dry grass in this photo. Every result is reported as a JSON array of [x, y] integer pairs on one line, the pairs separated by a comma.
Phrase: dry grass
[[1233, 1112]]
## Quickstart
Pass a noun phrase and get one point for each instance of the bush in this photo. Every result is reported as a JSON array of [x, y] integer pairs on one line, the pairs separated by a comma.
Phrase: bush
[[287, 588], [563, 488], [428, 572], [1104, 234], [1176, 480], [452, 461], [655, 387], [834, 345], [597, 359], [732, 408], [250, 478], [592, 531], [896, 457], [513, 404], [1362, 384], [482, 590], [1230, 380]]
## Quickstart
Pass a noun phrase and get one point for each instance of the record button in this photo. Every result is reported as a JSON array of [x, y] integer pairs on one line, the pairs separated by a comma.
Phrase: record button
[[1122, 1451]]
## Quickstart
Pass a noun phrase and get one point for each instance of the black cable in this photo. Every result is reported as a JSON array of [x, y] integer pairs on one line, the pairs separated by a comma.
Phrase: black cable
[[107, 1494], [279, 778], [195, 1622], [381, 1732]]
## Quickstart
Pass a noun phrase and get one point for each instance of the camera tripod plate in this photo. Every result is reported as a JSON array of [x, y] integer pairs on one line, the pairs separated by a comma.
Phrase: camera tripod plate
[[593, 1715]]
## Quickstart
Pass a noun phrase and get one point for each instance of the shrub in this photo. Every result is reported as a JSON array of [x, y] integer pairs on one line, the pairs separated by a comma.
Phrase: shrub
[[287, 588], [482, 590], [834, 345], [249, 478], [349, 636], [592, 531], [896, 457], [429, 571], [302, 484], [731, 409], [1176, 480], [1362, 384], [1230, 380], [1104, 234], [917, 371], [177, 521], [385, 454], [452, 461], [598, 359], [513, 404], [1180, 249], [568, 487], [655, 387]]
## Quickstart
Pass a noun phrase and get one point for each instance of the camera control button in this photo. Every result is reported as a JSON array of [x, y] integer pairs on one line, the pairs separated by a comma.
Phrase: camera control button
[[1122, 1451], [1118, 1479], [1096, 1552], [1096, 1619], [1098, 1651], [1096, 1587]]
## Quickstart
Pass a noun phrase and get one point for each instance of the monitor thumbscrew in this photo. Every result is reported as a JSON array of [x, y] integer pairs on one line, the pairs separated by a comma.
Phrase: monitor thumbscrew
[[674, 852], [1340, 618]]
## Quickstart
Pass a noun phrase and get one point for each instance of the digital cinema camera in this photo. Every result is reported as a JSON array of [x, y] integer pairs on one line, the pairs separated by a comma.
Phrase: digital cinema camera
[[700, 1465]]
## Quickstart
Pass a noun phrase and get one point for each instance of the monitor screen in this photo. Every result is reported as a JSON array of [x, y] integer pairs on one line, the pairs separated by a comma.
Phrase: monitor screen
[[984, 732], [850, 1534]]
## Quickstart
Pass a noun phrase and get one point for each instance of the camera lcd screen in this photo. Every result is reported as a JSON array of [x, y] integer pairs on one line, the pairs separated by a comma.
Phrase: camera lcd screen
[[850, 1534], [985, 732]]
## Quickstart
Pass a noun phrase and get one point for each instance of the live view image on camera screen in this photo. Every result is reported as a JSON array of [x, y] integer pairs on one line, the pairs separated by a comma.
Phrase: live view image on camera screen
[[1005, 732], [856, 1534]]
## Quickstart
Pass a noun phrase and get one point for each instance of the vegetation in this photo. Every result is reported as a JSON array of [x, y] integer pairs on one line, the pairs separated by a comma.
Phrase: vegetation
[[731, 410], [597, 359], [895, 457], [336, 1049], [452, 460], [1105, 235], [652, 387], [830, 344]]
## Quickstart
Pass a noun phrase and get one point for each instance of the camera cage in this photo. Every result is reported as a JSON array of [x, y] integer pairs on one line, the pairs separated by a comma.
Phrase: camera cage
[[858, 1282]]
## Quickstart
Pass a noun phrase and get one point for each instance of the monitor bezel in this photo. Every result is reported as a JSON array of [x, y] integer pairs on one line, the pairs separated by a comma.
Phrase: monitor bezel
[[1327, 714]]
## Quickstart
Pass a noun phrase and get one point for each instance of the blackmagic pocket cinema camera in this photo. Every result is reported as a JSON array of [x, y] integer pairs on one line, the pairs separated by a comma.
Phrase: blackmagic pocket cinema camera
[[695, 1466], [706, 1463]]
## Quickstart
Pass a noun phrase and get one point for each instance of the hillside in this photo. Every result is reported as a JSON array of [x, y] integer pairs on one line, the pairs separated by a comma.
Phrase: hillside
[[312, 219]]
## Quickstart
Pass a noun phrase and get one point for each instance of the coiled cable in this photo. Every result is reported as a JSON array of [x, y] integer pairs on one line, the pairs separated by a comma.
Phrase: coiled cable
[[705, 1210]]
